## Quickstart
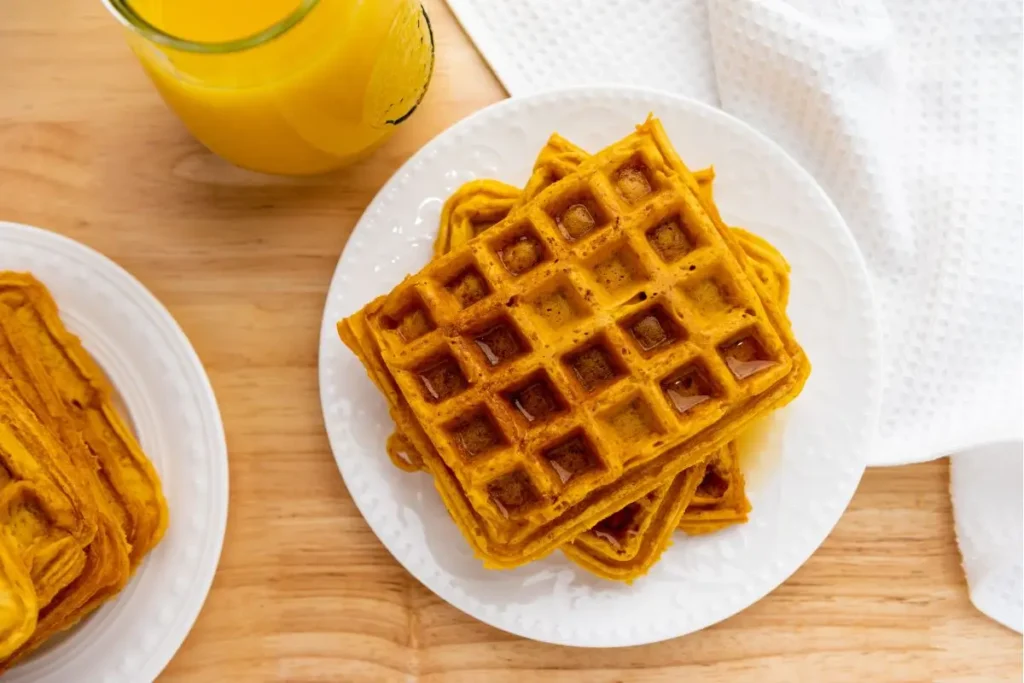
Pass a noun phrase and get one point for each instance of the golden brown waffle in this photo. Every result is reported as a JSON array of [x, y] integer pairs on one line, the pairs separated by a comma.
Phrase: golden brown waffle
[[621, 547], [557, 159], [101, 566], [768, 264], [82, 392], [53, 558], [636, 319], [66, 392], [46, 514], [720, 500], [475, 206], [20, 608], [627, 543], [480, 204], [37, 519]]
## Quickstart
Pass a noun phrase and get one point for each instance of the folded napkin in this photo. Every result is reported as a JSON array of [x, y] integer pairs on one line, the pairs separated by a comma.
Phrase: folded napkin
[[990, 530], [908, 113]]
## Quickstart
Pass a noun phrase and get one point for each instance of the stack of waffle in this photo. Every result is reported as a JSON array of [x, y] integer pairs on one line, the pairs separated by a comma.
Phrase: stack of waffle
[[80, 505], [575, 363]]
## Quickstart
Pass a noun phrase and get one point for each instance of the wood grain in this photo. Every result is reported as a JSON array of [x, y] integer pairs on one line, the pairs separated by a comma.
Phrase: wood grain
[[305, 592]]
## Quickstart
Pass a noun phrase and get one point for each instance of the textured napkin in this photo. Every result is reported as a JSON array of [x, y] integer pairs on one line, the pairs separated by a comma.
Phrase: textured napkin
[[990, 528], [908, 113]]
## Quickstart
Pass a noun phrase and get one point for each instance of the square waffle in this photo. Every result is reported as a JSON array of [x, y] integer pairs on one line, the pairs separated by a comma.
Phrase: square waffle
[[621, 546], [474, 207], [720, 500], [66, 392], [21, 608], [47, 519], [557, 159], [51, 357], [612, 552], [636, 309], [627, 543], [480, 204]]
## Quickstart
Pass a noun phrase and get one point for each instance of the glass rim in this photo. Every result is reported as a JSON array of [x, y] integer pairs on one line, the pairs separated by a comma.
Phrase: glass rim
[[130, 18]]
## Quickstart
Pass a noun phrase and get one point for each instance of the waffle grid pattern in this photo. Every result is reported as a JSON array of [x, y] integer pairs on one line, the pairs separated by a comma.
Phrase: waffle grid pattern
[[584, 347]]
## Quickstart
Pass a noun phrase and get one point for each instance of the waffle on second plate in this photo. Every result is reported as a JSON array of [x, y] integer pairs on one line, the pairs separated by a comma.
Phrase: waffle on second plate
[[48, 379]]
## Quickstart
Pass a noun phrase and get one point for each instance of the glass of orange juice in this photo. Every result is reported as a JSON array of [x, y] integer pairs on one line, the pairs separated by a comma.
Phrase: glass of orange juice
[[284, 86]]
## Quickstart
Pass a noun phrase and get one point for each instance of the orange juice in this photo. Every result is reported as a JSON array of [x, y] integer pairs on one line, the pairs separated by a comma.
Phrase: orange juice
[[285, 86]]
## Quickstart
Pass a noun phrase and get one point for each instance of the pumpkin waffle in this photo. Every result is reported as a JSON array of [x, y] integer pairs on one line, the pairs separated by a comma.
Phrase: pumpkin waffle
[[480, 204], [20, 607], [45, 513], [474, 207], [768, 264], [82, 392], [557, 159], [61, 386], [720, 500], [619, 547], [613, 546], [635, 317], [625, 545]]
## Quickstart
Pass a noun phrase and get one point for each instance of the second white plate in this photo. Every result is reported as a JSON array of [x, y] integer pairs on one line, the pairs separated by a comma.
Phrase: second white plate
[[809, 463], [168, 400]]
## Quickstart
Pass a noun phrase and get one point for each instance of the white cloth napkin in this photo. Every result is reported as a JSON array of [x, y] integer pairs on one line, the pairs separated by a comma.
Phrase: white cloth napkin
[[908, 112], [989, 528]]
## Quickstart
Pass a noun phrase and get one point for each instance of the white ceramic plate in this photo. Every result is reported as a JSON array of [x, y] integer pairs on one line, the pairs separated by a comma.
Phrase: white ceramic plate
[[169, 401], [813, 456]]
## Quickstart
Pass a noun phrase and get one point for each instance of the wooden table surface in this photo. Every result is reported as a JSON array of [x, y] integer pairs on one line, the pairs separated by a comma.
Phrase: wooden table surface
[[305, 592]]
